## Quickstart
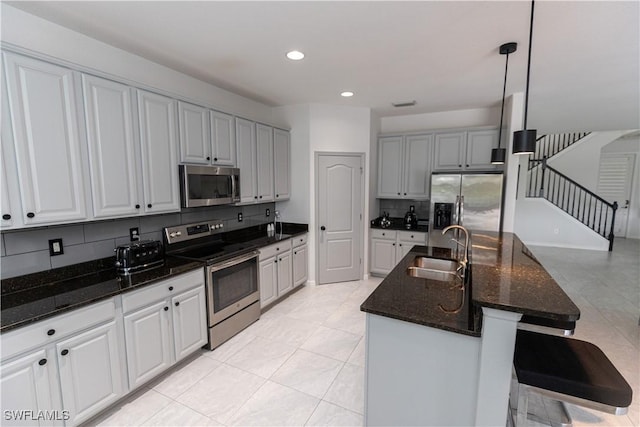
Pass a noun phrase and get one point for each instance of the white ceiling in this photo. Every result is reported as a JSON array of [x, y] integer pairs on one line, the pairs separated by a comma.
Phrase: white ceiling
[[584, 75]]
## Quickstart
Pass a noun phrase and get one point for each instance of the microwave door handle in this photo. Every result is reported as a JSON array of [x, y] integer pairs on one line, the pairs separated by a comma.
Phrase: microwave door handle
[[234, 187]]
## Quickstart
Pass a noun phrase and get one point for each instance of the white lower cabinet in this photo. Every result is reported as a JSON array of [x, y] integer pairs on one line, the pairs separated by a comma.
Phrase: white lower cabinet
[[388, 247], [300, 260], [275, 271], [163, 323]]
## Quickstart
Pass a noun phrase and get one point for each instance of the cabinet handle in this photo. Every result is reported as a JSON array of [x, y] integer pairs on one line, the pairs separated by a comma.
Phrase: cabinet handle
[[393, 244], [6, 217], [255, 197], [383, 234], [42, 362], [177, 303], [323, 228], [459, 166], [166, 309], [399, 244], [30, 215], [276, 261], [51, 332], [215, 159], [467, 165], [64, 352], [398, 194], [261, 197], [295, 253], [137, 206], [277, 195], [405, 194], [208, 158], [412, 236], [149, 205], [170, 288]]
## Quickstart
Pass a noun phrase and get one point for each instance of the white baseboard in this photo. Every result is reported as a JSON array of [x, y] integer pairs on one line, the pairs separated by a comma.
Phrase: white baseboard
[[365, 277]]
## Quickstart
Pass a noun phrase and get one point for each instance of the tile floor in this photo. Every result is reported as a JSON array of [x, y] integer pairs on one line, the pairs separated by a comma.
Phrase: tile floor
[[302, 363]]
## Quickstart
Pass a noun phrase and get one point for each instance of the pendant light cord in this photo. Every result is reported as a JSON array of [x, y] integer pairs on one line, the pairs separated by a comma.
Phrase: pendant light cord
[[504, 91], [526, 102]]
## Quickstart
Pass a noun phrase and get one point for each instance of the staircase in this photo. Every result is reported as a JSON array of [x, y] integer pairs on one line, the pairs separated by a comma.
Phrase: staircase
[[582, 204]]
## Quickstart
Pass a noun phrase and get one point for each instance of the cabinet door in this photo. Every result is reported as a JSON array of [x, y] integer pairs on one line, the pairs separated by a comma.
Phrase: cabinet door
[[264, 140], [479, 145], [246, 149], [390, 167], [281, 164], [417, 169], [402, 248], [30, 383], [285, 272], [90, 371], [112, 145], [189, 322], [300, 265], [47, 140], [7, 212], [195, 139], [147, 337], [223, 139], [449, 151], [158, 139], [383, 255], [268, 281]]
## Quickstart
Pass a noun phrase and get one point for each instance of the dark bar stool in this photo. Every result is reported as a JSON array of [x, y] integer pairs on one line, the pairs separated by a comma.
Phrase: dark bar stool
[[566, 370]]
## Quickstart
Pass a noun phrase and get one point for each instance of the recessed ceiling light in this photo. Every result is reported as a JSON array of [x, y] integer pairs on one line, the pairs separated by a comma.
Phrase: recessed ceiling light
[[347, 94], [295, 55]]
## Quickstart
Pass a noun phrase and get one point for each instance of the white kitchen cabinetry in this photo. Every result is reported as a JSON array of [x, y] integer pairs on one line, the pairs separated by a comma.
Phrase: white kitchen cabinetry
[[223, 139], [246, 149], [43, 100], [456, 151], [264, 146], [404, 166], [300, 260], [195, 134], [158, 140], [163, 323], [282, 164], [72, 361], [113, 163], [275, 271], [7, 212], [388, 247]]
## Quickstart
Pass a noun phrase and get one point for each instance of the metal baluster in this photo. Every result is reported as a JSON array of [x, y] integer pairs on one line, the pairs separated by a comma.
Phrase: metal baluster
[[600, 219], [589, 214], [613, 221], [573, 205]]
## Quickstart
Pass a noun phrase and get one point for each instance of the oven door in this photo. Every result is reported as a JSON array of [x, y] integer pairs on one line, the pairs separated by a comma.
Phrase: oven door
[[231, 286]]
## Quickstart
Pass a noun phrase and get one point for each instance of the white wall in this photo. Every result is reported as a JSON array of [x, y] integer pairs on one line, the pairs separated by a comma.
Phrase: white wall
[[513, 117], [27, 31], [441, 120]]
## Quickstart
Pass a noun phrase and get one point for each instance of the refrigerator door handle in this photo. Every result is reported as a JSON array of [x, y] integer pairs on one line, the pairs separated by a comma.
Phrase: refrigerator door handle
[[461, 210]]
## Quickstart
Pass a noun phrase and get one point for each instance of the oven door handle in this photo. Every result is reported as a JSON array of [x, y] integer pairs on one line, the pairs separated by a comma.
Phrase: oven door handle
[[234, 261]]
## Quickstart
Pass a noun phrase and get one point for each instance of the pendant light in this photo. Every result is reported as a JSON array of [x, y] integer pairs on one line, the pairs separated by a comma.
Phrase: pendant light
[[498, 154], [524, 141]]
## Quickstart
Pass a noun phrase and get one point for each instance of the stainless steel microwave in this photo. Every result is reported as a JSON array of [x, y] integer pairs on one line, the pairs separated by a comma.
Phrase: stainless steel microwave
[[208, 185]]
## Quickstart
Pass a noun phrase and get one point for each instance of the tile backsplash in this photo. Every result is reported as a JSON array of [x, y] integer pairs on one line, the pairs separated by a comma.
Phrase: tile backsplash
[[398, 208], [27, 251]]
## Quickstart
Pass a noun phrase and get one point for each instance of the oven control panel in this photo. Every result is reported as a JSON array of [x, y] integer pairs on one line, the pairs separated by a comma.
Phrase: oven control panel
[[182, 233]]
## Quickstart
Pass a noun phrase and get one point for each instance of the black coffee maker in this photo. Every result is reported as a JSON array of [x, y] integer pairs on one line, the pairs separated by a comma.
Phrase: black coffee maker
[[410, 218]]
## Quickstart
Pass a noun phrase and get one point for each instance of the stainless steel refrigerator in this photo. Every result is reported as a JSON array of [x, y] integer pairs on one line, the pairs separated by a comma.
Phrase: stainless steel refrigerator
[[471, 200]]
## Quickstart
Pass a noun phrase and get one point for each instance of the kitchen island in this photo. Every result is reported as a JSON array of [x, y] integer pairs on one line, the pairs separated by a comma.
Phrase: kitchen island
[[438, 353]]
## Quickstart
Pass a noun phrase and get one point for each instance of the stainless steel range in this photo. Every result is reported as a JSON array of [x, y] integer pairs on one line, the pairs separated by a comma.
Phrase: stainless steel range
[[232, 286]]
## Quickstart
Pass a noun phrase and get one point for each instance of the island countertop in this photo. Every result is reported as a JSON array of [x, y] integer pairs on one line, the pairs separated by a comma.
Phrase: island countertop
[[504, 275]]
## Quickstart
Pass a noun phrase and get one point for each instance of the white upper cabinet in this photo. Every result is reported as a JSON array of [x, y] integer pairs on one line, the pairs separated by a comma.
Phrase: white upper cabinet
[[246, 148], [281, 164], [264, 145], [404, 166], [223, 139], [158, 140], [47, 139], [113, 164], [195, 135], [465, 150]]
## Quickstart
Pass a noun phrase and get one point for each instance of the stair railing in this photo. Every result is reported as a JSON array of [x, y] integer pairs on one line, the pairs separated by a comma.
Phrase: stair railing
[[579, 202], [550, 145]]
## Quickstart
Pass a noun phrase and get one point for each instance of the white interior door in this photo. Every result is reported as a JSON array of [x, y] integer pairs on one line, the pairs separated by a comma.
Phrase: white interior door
[[614, 185], [339, 217]]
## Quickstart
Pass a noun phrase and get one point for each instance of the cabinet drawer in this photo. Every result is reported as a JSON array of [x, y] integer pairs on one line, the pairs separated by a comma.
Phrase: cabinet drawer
[[37, 334], [300, 240], [377, 233], [275, 249], [414, 237], [162, 290]]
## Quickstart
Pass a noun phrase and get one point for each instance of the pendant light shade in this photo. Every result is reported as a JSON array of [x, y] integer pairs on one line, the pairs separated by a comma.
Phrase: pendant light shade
[[498, 155], [524, 141]]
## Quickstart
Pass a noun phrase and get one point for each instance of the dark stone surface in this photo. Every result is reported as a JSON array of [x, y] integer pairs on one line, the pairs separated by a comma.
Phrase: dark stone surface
[[398, 224], [503, 274]]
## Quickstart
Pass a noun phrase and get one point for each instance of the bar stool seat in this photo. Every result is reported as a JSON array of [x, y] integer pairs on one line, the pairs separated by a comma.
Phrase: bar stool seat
[[567, 370]]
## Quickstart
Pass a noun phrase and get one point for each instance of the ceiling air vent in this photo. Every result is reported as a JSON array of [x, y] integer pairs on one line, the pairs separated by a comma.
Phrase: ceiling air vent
[[404, 104]]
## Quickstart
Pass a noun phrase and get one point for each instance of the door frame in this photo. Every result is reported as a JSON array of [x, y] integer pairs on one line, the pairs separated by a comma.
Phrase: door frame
[[362, 157]]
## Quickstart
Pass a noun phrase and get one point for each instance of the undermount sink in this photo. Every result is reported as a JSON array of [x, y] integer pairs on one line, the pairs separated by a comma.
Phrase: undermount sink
[[443, 270]]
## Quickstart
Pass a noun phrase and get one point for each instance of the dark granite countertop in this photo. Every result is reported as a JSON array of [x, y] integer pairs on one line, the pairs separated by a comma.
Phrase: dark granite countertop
[[398, 224], [503, 275], [29, 298]]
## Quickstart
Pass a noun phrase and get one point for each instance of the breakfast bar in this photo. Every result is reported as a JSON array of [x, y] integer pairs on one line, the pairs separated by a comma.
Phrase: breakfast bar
[[441, 352]]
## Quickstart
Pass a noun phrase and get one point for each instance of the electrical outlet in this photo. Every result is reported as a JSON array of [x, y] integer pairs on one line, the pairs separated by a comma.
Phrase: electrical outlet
[[268, 212], [134, 234], [239, 216], [55, 247]]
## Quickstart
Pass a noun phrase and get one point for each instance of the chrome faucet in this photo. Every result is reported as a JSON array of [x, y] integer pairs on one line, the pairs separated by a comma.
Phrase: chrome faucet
[[465, 258]]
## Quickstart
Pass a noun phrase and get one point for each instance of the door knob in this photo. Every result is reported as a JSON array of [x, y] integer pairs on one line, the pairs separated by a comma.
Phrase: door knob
[[323, 228]]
